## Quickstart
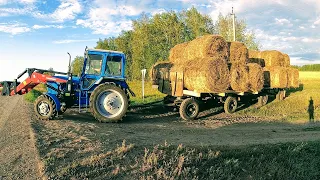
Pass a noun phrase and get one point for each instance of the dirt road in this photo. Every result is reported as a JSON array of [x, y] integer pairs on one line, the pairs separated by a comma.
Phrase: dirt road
[[78, 136], [18, 155], [151, 126]]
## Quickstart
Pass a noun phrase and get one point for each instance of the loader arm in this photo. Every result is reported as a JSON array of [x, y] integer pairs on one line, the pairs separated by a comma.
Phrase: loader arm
[[32, 81]]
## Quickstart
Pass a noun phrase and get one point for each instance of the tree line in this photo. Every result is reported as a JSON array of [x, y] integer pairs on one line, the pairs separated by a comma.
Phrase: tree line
[[152, 37], [310, 67]]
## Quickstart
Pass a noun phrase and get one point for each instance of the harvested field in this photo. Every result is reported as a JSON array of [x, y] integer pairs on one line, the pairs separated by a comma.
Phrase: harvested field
[[211, 75], [276, 77], [238, 53], [256, 78], [293, 77], [239, 78]]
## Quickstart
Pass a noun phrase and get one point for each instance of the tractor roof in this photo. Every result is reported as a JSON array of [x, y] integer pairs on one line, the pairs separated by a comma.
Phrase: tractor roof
[[103, 50]]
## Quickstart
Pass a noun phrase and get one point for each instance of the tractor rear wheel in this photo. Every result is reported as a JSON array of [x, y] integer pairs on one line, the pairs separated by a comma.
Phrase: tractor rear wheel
[[108, 103], [44, 108]]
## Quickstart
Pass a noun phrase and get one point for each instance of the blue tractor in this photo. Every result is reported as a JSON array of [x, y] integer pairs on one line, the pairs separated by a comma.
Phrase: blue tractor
[[101, 86]]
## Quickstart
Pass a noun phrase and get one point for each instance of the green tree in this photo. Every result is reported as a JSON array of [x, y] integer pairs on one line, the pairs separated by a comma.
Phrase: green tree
[[224, 27], [196, 24], [77, 65], [124, 44], [107, 44]]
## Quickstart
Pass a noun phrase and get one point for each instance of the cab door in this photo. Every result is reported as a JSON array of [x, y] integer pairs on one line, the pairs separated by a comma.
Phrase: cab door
[[93, 69]]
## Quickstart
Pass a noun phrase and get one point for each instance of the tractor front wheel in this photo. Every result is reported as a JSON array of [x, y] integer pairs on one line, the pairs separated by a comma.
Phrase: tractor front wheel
[[108, 103], [44, 108]]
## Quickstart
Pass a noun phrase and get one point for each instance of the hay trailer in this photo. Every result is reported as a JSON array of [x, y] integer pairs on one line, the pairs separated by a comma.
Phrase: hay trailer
[[101, 85], [189, 102]]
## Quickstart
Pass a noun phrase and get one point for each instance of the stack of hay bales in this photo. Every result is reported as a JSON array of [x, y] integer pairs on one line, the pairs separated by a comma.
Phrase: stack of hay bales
[[209, 64], [203, 62], [276, 67], [244, 76]]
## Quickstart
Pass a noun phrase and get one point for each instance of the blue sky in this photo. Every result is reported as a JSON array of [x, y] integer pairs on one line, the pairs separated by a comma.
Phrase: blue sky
[[39, 33]]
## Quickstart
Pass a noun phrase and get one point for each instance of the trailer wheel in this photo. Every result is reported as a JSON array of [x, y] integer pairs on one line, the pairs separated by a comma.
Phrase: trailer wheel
[[108, 103], [281, 95], [44, 108], [230, 105], [263, 100], [189, 109]]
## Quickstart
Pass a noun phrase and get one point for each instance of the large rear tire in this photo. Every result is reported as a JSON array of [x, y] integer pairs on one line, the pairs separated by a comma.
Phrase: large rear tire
[[189, 109], [108, 103], [44, 108], [230, 105]]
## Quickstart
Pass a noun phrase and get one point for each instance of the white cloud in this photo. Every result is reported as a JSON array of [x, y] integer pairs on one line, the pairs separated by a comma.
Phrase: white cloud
[[68, 41], [4, 2], [47, 26], [14, 28], [27, 1], [106, 27], [283, 22], [15, 11], [67, 10]]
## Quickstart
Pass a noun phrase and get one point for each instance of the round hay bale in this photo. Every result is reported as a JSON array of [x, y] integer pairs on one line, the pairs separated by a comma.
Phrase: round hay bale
[[238, 53], [254, 54], [207, 46], [293, 77], [239, 78], [276, 77], [209, 76], [272, 58], [286, 60], [256, 79], [160, 70], [255, 57], [177, 53]]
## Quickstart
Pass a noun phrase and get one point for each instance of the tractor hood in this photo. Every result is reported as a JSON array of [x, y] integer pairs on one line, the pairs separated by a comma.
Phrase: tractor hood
[[75, 79]]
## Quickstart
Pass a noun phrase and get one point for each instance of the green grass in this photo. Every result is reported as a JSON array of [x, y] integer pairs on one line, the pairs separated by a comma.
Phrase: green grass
[[32, 95], [294, 107], [151, 95]]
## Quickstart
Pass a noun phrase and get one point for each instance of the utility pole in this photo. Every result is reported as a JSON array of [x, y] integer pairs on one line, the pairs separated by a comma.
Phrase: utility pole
[[234, 24]]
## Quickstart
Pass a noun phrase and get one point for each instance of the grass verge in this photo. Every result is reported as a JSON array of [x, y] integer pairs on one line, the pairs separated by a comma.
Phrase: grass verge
[[151, 95], [32, 95]]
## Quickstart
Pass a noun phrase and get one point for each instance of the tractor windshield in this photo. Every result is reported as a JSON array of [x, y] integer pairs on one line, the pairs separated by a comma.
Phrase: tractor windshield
[[113, 67], [93, 65]]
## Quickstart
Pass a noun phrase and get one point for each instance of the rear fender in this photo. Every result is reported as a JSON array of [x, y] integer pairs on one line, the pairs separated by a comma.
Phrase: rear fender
[[55, 100]]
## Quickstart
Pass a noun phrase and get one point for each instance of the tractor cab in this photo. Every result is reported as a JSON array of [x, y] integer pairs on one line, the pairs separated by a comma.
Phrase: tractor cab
[[100, 65]]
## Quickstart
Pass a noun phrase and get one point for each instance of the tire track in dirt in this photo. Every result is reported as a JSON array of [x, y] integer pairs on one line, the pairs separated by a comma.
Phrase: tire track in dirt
[[18, 154]]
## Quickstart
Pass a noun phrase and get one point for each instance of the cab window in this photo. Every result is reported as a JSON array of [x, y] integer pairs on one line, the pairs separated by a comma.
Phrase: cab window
[[94, 64], [114, 65]]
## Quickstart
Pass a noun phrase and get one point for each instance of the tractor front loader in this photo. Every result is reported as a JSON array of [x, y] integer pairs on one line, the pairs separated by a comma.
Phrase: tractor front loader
[[102, 87]]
